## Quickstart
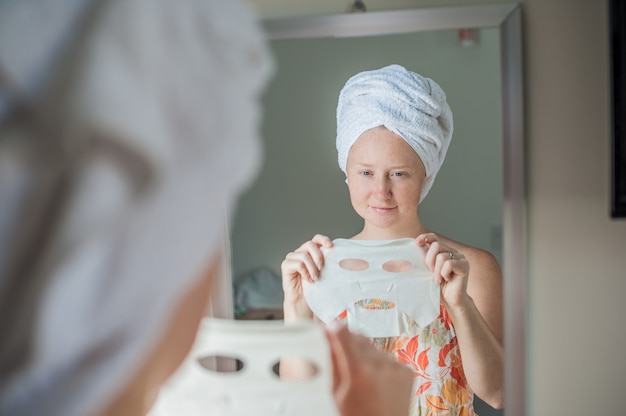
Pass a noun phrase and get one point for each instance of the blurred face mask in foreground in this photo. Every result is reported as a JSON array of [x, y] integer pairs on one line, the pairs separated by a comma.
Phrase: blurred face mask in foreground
[[232, 370]]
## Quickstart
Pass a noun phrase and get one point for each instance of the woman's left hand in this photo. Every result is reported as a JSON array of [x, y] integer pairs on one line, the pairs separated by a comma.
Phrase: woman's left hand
[[449, 266]]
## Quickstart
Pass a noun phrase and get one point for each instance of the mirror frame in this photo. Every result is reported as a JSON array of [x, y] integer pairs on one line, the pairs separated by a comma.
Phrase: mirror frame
[[507, 19]]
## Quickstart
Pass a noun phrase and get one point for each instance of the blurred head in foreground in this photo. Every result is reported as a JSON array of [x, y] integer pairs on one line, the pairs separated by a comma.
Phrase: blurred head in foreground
[[127, 130]]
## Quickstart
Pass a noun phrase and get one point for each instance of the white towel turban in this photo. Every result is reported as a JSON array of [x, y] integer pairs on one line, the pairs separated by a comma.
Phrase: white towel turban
[[406, 103], [144, 115]]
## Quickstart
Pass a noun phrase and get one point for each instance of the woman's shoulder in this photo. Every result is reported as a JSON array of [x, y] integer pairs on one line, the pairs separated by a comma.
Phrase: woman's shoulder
[[479, 259]]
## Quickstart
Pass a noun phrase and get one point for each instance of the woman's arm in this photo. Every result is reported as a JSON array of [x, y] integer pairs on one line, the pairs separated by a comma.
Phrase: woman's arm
[[478, 325], [367, 382], [473, 300]]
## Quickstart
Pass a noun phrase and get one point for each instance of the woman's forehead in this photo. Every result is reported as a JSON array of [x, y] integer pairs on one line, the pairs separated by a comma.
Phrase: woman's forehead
[[380, 146]]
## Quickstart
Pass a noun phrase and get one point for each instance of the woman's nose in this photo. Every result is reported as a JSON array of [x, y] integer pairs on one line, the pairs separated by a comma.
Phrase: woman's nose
[[383, 187]]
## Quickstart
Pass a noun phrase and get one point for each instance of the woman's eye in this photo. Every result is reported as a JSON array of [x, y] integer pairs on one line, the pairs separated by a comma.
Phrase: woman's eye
[[366, 173], [397, 174]]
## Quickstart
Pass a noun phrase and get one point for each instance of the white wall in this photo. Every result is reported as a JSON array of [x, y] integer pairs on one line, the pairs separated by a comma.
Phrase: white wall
[[576, 334], [577, 275]]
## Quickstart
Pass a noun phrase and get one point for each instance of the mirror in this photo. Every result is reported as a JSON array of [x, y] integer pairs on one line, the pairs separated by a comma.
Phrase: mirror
[[301, 190]]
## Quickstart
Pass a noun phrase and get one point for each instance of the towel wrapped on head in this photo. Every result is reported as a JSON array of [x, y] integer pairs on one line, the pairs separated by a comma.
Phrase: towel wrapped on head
[[407, 104]]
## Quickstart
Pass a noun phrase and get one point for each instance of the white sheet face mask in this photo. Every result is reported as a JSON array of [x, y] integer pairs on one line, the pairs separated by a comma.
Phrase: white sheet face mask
[[378, 282], [244, 382]]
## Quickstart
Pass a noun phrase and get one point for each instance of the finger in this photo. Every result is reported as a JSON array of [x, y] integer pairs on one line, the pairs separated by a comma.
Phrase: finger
[[446, 264], [300, 263], [453, 268], [342, 360], [426, 239], [342, 334], [431, 255], [336, 358], [437, 268], [437, 253], [323, 240], [447, 270], [314, 252], [435, 262]]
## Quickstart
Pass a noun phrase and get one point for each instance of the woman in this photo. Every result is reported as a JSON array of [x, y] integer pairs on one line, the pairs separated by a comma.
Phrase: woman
[[393, 130], [117, 125]]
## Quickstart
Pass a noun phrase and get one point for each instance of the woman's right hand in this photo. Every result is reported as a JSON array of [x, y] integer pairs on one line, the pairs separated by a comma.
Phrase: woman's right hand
[[305, 262], [367, 382]]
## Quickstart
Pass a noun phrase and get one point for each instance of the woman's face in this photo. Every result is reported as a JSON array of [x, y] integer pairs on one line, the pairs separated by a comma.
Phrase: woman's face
[[385, 178]]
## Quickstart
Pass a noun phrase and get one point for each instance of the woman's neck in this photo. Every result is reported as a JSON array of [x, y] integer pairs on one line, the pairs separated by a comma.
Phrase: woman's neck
[[371, 232]]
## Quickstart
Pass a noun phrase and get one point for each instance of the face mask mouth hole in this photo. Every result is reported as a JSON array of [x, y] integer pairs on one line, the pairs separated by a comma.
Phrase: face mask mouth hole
[[354, 265], [222, 364], [398, 266], [295, 369], [375, 304]]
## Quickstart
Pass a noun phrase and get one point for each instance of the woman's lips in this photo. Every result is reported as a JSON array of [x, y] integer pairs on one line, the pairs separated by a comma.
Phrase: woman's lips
[[382, 210]]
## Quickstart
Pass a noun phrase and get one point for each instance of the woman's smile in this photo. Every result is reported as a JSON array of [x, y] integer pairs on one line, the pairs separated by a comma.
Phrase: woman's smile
[[381, 210]]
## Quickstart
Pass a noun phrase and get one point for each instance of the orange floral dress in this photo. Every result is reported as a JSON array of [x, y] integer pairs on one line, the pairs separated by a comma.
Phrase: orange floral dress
[[440, 387]]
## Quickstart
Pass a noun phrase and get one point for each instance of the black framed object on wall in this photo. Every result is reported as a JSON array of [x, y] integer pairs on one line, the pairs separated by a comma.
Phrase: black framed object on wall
[[617, 26]]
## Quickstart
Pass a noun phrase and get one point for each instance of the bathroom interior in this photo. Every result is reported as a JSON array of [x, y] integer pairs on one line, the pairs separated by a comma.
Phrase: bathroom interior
[[572, 246]]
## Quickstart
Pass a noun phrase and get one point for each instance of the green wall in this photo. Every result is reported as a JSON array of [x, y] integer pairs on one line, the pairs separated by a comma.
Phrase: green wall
[[301, 191]]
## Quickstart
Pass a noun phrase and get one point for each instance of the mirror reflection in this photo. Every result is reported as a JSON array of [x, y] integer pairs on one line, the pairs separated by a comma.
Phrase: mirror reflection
[[301, 191]]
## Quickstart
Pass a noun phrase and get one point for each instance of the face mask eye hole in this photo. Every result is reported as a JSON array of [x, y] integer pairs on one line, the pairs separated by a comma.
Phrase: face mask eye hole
[[398, 266], [354, 265], [295, 369], [221, 364]]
